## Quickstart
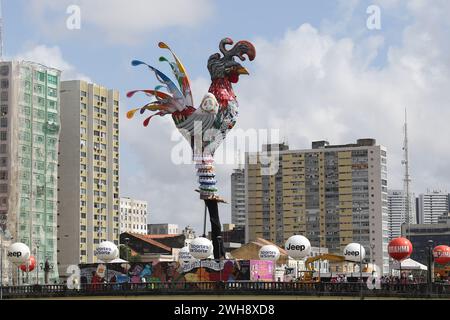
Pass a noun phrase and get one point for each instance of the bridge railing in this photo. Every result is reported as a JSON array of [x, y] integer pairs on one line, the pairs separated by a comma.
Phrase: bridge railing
[[238, 287]]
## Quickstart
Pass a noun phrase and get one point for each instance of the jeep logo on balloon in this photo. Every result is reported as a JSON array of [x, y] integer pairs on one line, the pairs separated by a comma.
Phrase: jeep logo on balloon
[[298, 247], [354, 252], [18, 253]]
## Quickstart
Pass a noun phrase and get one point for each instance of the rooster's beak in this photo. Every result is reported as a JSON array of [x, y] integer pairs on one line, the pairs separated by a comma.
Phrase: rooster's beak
[[242, 70]]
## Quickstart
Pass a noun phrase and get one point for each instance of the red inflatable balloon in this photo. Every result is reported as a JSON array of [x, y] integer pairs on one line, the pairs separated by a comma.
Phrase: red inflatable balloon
[[441, 254], [31, 266], [400, 249]]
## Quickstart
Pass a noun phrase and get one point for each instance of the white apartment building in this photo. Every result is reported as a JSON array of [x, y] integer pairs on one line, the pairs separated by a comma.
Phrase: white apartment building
[[238, 216], [432, 205], [397, 212], [133, 216]]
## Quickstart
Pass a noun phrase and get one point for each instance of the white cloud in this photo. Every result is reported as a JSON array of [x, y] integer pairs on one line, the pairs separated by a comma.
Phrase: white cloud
[[121, 22], [316, 86], [52, 57]]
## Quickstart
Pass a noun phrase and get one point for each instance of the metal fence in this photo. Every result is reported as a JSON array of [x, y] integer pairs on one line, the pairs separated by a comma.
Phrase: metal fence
[[231, 288]]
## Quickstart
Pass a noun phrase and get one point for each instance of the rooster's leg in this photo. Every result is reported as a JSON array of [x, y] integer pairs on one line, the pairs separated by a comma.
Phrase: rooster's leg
[[216, 229]]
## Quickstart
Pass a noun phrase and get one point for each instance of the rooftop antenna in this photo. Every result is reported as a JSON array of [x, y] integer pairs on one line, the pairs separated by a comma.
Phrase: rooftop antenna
[[406, 178]]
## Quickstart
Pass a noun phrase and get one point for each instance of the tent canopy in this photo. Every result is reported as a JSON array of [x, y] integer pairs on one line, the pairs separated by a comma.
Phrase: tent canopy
[[410, 264], [118, 260]]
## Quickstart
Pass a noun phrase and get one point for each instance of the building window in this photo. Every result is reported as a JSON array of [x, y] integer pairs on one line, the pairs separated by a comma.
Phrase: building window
[[4, 70], [51, 105], [40, 76], [5, 83], [52, 79], [4, 96], [52, 92]]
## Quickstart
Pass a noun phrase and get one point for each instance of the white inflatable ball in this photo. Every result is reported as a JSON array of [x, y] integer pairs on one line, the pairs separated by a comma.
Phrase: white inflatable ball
[[298, 247], [201, 248]]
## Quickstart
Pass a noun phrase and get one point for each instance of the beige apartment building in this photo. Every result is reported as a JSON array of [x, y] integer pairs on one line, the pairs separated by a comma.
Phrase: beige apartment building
[[88, 172], [333, 195]]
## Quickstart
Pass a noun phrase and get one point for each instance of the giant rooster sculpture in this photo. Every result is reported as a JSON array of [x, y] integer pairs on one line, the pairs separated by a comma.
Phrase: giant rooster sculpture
[[206, 127]]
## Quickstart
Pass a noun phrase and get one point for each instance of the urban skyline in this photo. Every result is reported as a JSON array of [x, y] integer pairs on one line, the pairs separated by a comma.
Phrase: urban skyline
[[371, 59], [331, 179]]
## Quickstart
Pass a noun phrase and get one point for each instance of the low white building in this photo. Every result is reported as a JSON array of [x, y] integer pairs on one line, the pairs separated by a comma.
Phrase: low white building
[[163, 228], [133, 216]]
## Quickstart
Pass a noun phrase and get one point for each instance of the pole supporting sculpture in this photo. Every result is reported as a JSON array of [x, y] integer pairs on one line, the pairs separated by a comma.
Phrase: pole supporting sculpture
[[206, 127]]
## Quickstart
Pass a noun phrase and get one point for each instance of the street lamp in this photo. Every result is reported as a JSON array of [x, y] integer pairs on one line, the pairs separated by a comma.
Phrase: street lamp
[[219, 240], [37, 262], [430, 265]]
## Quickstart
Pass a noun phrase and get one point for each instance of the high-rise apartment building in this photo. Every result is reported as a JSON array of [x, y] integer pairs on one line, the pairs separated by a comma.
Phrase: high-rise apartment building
[[397, 212], [432, 205], [238, 213], [88, 172], [333, 195], [29, 136], [133, 216]]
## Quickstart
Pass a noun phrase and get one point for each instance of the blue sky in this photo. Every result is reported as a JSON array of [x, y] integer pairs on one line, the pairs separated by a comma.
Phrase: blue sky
[[348, 78]]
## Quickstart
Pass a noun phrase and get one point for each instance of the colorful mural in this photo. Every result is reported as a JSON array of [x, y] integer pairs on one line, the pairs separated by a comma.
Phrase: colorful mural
[[194, 271]]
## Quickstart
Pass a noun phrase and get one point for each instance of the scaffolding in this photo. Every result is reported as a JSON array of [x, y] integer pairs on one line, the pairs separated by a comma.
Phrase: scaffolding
[[33, 142]]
